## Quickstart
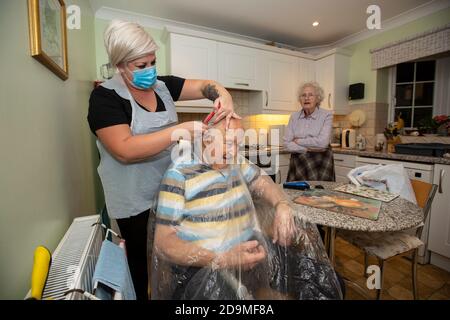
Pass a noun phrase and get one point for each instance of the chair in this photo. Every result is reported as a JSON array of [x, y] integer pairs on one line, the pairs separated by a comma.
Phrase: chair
[[386, 245]]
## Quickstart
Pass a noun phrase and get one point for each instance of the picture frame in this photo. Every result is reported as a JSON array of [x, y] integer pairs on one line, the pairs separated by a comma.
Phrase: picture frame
[[48, 35]]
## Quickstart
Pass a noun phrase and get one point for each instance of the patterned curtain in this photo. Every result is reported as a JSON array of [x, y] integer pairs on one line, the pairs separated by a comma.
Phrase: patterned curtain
[[422, 45]]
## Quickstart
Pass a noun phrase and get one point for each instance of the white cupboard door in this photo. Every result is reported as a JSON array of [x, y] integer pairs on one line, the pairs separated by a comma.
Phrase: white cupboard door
[[439, 233], [238, 66], [193, 58], [282, 82], [325, 74], [306, 71], [332, 74], [284, 170]]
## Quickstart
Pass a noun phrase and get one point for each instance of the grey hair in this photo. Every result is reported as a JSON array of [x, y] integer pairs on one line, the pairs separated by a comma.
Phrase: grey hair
[[317, 89], [127, 41]]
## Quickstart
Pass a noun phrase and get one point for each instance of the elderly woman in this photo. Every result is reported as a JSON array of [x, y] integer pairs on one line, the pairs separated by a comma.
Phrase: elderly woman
[[308, 136], [133, 116]]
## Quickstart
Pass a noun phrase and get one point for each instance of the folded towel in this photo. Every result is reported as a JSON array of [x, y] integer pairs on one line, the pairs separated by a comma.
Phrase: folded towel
[[112, 270]]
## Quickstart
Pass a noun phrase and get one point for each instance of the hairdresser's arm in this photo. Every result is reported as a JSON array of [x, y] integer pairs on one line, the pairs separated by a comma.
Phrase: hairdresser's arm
[[129, 148], [214, 91]]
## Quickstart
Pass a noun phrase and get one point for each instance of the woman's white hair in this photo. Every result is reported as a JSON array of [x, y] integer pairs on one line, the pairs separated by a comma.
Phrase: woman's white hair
[[317, 89], [127, 41]]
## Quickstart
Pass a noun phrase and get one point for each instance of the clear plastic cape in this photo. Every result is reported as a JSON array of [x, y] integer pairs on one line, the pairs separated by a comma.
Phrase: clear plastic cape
[[226, 210]]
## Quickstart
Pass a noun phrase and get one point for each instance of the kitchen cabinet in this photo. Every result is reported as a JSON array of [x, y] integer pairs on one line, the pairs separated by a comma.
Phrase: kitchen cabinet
[[192, 58], [240, 67], [439, 234], [283, 166], [306, 71], [332, 73], [343, 164], [280, 73], [271, 77]]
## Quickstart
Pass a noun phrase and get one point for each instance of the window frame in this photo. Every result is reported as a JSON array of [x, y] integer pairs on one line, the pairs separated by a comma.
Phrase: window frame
[[393, 90]]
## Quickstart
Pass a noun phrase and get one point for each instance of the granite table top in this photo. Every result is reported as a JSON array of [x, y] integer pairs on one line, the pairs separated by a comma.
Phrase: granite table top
[[393, 156], [399, 214]]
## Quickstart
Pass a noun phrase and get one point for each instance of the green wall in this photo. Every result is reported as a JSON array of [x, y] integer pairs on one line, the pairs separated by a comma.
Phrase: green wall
[[377, 81], [102, 57], [48, 158]]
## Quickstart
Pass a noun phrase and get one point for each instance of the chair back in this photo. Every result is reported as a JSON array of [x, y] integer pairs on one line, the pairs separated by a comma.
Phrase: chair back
[[424, 193]]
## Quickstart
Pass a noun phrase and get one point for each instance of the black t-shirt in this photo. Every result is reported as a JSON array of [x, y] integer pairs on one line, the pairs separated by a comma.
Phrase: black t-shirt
[[107, 108]]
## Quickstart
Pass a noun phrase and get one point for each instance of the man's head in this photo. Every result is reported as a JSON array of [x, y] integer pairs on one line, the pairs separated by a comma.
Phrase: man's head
[[220, 145]]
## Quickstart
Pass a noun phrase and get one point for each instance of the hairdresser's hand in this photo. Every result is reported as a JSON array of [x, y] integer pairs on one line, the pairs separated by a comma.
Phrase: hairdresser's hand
[[224, 108], [245, 255], [283, 225]]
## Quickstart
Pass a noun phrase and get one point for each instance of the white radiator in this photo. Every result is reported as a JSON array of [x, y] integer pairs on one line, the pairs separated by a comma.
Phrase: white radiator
[[74, 260]]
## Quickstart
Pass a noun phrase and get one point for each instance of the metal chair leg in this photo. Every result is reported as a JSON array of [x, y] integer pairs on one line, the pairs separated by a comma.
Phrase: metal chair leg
[[366, 263], [326, 239], [332, 238], [381, 264], [414, 273]]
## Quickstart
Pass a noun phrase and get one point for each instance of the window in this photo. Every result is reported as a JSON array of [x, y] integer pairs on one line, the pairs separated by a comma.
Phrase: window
[[414, 92]]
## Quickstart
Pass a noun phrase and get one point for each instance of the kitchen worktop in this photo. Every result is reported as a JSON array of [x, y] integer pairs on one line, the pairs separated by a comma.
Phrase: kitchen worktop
[[370, 153]]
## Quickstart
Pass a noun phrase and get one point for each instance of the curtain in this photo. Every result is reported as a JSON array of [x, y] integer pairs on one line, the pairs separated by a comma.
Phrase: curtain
[[422, 45]]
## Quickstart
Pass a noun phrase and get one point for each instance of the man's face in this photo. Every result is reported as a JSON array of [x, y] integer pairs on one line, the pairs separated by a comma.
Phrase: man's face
[[221, 146]]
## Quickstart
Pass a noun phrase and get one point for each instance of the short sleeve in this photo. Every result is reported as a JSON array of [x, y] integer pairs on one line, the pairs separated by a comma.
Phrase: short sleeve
[[250, 172], [171, 198], [174, 84], [106, 109]]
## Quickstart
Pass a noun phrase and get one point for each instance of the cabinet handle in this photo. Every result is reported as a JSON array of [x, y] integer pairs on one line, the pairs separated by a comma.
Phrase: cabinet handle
[[267, 98], [278, 176], [441, 176], [241, 84], [338, 160], [329, 100]]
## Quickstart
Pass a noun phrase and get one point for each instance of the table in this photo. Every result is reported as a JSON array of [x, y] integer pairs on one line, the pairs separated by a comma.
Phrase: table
[[397, 215]]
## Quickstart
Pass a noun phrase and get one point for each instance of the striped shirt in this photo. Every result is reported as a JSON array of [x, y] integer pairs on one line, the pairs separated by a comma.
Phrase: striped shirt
[[210, 208]]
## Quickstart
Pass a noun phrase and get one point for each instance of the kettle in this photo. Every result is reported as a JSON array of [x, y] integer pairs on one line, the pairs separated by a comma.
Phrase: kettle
[[348, 140], [361, 142]]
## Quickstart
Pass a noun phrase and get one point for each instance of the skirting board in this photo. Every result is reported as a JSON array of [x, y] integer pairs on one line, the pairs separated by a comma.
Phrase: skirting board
[[440, 261]]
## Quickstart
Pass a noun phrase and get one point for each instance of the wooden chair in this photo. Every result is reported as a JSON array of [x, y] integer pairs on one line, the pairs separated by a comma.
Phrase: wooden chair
[[386, 245]]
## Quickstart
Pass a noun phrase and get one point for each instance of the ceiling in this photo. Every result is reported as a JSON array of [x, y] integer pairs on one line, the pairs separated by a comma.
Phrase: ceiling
[[283, 21]]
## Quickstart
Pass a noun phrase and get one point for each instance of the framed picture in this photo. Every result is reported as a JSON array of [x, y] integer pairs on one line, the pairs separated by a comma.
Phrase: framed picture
[[48, 34]]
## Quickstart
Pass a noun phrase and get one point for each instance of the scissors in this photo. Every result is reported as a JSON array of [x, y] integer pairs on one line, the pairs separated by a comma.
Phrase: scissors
[[210, 116]]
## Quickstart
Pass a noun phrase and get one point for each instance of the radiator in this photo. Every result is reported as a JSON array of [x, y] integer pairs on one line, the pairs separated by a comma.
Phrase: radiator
[[74, 260]]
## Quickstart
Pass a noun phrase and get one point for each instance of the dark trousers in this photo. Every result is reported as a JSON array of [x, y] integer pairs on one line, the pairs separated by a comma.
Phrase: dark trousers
[[134, 231]]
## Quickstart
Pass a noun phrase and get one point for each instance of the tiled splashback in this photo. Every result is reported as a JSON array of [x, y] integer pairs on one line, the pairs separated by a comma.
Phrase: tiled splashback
[[241, 105], [376, 120]]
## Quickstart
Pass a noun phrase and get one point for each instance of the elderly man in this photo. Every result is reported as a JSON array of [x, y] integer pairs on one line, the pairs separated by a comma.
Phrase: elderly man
[[210, 234]]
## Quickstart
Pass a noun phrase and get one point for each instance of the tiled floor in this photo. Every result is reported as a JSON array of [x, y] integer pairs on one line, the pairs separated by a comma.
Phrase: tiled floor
[[433, 282]]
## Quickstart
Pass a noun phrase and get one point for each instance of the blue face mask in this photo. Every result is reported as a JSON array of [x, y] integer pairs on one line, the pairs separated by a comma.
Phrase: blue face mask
[[144, 78]]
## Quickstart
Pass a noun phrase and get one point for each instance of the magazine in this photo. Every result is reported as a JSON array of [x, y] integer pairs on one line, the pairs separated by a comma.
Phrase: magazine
[[367, 192]]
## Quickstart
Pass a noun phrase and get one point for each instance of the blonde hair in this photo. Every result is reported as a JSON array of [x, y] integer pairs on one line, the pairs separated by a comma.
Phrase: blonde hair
[[127, 41], [317, 89]]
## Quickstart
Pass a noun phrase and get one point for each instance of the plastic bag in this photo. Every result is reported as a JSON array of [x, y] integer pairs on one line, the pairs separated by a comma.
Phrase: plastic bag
[[227, 231], [392, 178]]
